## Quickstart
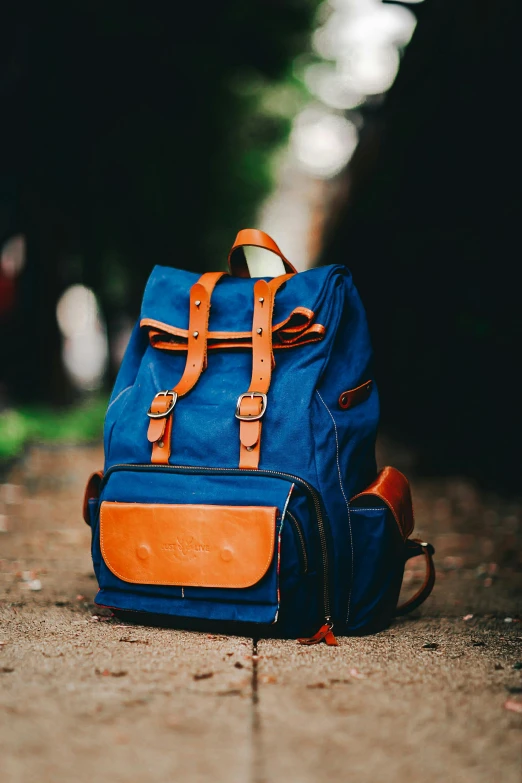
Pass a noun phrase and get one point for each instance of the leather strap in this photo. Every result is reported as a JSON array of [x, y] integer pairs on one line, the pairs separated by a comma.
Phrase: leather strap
[[415, 547], [162, 406], [252, 405], [92, 492], [253, 237]]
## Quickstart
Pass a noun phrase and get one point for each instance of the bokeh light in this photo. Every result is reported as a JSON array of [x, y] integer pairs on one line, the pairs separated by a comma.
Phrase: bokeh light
[[85, 345]]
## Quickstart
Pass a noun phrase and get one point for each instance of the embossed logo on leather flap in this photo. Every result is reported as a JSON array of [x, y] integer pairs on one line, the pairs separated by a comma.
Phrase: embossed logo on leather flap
[[188, 545]]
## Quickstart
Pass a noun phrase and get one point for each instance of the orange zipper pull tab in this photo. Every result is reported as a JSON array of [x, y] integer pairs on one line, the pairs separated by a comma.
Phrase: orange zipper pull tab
[[325, 633]]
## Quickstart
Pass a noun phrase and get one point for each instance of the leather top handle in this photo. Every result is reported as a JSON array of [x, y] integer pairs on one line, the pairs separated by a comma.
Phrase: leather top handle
[[253, 237]]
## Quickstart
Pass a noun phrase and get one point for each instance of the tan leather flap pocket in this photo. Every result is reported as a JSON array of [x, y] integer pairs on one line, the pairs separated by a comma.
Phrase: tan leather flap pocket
[[187, 545], [393, 488]]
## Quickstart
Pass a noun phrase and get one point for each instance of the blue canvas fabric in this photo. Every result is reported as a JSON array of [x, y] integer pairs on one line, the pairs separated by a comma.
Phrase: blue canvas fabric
[[331, 560]]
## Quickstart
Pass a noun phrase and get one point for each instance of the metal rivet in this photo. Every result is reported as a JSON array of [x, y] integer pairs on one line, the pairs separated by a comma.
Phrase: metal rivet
[[197, 302], [160, 444], [344, 399], [260, 331], [250, 448], [195, 335], [261, 299]]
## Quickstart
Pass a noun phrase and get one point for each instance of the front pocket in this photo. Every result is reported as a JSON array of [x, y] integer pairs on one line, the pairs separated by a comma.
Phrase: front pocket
[[187, 545], [207, 543]]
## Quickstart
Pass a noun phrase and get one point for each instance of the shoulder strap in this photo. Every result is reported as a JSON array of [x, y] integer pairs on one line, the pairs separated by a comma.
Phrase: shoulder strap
[[415, 547]]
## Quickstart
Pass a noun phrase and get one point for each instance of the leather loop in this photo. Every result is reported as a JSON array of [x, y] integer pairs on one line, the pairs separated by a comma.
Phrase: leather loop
[[262, 364], [415, 547], [92, 492], [160, 430], [253, 237]]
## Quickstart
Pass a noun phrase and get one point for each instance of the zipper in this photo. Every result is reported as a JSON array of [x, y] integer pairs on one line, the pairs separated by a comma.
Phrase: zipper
[[312, 492], [299, 531]]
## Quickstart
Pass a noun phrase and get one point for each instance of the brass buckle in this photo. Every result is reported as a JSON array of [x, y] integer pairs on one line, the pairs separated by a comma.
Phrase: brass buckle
[[173, 401], [264, 403]]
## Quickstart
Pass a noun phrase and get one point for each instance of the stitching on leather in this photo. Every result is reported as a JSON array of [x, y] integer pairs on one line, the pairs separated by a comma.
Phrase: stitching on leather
[[175, 584], [344, 496], [378, 508]]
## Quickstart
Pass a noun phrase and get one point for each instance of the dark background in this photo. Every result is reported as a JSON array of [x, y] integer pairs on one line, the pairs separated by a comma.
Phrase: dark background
[[432, 236], [131, 134]]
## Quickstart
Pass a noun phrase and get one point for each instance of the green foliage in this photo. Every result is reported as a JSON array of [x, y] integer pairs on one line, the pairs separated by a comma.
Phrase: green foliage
[[28, 424]]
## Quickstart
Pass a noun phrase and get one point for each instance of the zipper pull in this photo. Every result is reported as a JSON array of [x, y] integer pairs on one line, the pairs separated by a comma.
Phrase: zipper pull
[[325, 633]]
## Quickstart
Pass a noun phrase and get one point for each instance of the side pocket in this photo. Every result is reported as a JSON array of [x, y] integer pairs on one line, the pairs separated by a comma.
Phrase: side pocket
[[381, 519]]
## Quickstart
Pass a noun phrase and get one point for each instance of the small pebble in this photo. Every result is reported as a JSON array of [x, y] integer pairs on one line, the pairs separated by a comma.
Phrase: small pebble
[[34, 584], [508, 619], [467, 617], [513, 706]]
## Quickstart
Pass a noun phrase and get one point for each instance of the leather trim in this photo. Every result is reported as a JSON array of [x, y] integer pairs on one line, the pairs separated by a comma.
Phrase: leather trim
[[92, 491], [297, 329], [159, 434], [253, 237], [393, 488], [353, 397], [188, 545], [262, 364], [414, 548]]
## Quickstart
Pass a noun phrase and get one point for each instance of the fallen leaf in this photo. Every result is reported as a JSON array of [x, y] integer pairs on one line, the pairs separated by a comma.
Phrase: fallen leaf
[[203, 676], [268, 679], [317, 685], [231, 692], [134, 641], [513, 706], [430, 646], [107, 673], [239, 665], [6, 669]]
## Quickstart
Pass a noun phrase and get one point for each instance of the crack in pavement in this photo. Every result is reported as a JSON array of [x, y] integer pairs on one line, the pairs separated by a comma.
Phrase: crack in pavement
[[257, 773]]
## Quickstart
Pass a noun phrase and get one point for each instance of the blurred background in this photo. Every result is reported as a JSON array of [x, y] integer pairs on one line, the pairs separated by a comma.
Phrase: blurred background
[[381, 135]]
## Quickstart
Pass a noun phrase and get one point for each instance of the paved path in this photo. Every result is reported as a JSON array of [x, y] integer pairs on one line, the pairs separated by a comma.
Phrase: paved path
[[86, 698]]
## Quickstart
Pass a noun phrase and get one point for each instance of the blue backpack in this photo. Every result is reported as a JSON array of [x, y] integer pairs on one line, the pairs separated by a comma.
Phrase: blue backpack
[[240, 483]]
